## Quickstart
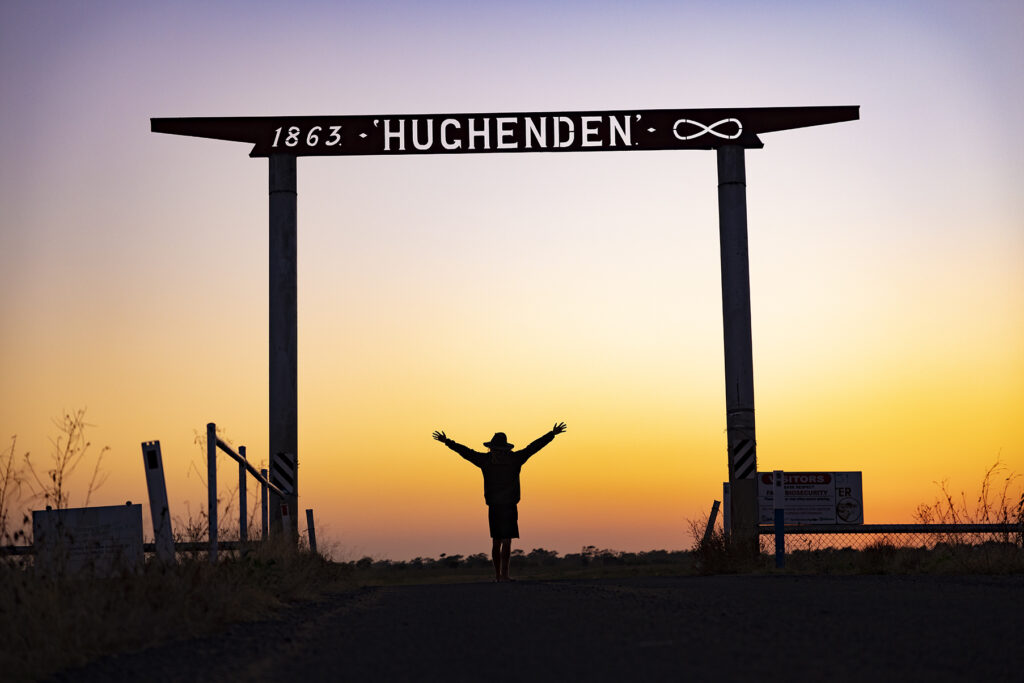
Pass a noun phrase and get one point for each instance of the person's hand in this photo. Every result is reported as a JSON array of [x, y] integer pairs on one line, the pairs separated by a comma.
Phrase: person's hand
[[440, 436], [558, 428]]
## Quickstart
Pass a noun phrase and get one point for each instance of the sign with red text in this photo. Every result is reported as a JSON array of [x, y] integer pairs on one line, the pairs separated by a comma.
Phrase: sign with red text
[[813, 498]]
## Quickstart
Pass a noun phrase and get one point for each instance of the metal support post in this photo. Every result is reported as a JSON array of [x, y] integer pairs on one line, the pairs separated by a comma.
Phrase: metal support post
[[779, 501], [283, 325], [263, 505], [243, 518], [739, 363], [211, 486], [311, 531]]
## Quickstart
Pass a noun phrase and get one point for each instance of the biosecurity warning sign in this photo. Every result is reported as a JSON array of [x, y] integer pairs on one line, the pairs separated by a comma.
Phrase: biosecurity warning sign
[[814, 498]]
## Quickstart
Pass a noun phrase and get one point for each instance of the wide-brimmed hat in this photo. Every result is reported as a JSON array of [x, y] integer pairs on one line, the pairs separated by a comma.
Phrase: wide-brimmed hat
[[499, 442]]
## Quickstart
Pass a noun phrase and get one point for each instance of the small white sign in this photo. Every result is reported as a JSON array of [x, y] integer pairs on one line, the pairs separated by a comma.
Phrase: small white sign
[[100, 540], [814, 498]]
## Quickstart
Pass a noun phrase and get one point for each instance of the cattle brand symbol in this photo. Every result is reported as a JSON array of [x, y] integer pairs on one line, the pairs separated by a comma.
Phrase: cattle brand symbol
[[704, 130]]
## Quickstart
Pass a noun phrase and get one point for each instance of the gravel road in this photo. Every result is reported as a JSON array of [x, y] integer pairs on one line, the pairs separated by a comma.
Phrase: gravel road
[[758, 628]]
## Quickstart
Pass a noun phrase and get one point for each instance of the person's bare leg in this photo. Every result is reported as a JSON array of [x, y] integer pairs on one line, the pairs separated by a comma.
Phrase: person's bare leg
[[496, 557], [506, 554]]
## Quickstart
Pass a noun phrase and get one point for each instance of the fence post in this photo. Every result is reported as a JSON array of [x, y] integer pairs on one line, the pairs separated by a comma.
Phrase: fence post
[[779, 501], [711, 522], [311, 531], [211, 485], [263, 505], [243, 517]]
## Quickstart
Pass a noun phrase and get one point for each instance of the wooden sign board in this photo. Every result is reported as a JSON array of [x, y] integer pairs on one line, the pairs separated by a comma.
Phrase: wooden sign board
[[97, 540], [575, 131]]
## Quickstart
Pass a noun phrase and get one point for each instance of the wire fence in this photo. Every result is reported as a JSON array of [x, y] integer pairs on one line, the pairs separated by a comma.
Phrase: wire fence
[[812, 538]]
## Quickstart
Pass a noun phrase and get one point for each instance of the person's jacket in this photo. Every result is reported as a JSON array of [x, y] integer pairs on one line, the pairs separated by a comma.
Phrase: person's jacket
[[500, 468]]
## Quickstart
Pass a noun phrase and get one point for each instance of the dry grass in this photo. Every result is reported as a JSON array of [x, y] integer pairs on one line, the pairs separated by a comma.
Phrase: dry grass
[[52, 623], [1000, 500]]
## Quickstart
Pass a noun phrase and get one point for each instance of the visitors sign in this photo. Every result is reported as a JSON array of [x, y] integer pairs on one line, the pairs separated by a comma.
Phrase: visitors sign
[[814, 498], [575, 131]]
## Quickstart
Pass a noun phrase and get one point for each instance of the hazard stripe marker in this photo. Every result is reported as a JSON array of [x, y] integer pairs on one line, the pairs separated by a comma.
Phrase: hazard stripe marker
[[282, 472], [743, 460]]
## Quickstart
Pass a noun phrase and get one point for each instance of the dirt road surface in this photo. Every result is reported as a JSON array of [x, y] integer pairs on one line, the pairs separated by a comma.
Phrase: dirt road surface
[[755, 628]]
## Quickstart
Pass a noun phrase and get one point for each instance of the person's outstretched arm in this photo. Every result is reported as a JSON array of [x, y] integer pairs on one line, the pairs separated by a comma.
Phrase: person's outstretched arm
[[542, 441], [467, 453]]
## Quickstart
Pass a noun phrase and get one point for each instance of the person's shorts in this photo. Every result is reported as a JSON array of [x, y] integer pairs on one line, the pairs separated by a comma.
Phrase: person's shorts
[[503, 520]]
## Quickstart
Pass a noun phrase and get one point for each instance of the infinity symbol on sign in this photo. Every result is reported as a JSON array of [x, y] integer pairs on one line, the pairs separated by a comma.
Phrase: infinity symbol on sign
[[708, 129]]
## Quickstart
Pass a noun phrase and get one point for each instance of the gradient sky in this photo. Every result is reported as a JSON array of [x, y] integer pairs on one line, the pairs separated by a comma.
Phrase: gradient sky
[[481, 293]]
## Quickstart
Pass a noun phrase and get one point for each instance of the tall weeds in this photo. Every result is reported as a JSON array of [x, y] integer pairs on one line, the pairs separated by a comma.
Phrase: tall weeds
[[12, 478], [51, 623], [997, 502], [70, 449]]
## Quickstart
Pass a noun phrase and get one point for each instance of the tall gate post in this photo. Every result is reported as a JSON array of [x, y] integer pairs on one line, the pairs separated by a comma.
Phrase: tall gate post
[[739, 362], [283, 328]]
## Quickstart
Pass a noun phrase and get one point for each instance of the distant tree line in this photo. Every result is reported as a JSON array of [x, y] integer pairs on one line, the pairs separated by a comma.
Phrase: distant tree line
[[538, 557]]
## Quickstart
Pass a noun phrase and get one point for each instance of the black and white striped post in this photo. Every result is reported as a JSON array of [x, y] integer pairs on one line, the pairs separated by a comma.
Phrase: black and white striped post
[[739, 356]]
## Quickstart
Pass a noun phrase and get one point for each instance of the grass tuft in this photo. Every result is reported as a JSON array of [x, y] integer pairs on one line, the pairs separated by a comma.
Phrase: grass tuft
[[53, 623]]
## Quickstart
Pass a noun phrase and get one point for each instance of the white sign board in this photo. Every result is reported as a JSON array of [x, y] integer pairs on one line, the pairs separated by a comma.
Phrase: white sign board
[[99, 540], [814, 498]]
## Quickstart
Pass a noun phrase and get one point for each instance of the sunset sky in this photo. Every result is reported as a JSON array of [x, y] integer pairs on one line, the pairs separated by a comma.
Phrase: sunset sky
[[484, 293]]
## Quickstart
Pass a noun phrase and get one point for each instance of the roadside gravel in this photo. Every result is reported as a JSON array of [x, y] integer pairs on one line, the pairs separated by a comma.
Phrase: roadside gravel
[[763, 628]]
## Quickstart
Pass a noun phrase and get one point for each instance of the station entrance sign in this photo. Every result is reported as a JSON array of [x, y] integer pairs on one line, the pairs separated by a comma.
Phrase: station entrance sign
[[814, 498], [569, 131]]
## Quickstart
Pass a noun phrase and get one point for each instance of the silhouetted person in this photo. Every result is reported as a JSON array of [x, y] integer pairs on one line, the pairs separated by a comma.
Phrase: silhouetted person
[[501, 465]]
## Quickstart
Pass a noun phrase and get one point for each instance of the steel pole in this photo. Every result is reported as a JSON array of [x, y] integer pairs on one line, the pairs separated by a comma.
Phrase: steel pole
[[263, 506], [283, 325], [211, 487], [243, 531], [739, 361]]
